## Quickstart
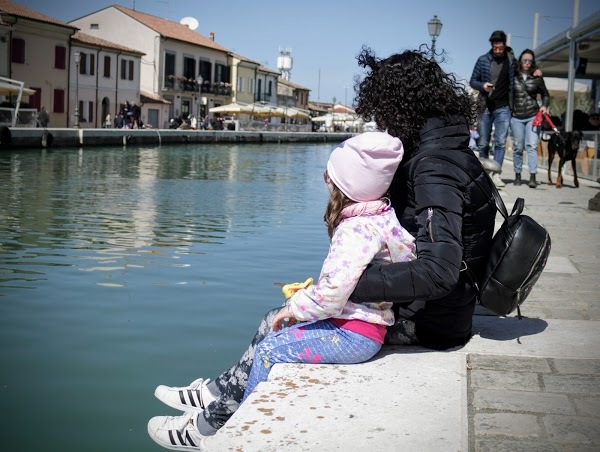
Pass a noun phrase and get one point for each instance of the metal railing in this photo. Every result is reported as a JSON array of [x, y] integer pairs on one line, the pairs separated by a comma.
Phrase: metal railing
[[27, 117]]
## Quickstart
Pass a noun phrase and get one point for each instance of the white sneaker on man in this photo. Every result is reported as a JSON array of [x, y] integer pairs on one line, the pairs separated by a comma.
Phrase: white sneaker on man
[[176, 432], [497, 180], [194, 397]]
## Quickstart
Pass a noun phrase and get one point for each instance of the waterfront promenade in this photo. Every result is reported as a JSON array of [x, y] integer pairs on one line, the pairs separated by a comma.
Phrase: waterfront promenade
[[24, 137], [519, 385]]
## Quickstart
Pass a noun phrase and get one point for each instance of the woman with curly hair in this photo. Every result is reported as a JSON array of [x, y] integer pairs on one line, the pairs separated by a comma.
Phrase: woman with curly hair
[[441, 195]]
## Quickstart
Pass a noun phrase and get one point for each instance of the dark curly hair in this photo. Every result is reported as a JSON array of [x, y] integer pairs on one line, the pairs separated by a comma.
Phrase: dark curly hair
[[402, 91]]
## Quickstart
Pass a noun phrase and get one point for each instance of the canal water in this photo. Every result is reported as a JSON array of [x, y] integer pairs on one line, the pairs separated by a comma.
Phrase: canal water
[[125, 268]]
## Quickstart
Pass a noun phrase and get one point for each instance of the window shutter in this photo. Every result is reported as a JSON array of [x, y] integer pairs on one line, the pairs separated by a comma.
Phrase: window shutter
[[130, 69], [35, 101], [90, 111], [18, 50], [81, 117], [60, 53], [59, 101], [122, 69], [82, 63], [107, 66], [92, 61]]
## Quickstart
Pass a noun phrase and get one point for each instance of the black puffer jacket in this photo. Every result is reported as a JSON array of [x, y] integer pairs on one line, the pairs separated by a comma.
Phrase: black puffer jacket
[[452, 218], [525, 93]]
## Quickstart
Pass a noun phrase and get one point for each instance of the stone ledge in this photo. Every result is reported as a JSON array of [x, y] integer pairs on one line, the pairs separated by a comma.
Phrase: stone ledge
[[406, 398]]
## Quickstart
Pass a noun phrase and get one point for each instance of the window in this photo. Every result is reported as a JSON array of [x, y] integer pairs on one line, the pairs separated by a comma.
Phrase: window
[[107, 61], [60, 57], [205, 71], [221, 73], [35, 101], [270, 87], [240, 84], [189, 68], [126, 69], [18, 50], [87, 63], [86, 111], [251, 82], [59, 101], [94, 26], [169, 73]]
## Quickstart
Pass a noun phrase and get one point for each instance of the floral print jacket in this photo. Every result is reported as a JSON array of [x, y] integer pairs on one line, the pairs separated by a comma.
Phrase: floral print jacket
[[356, 242]]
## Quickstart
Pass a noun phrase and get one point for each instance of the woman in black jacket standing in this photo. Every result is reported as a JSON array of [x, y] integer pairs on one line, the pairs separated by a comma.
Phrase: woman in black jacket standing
[[441, 196], [525, 107]]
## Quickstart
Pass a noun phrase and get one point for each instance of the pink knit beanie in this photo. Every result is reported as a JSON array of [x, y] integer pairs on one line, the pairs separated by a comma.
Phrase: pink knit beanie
[[363, 166]]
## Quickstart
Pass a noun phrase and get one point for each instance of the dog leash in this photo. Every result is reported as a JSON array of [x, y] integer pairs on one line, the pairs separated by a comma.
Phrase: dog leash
[[540, 117]]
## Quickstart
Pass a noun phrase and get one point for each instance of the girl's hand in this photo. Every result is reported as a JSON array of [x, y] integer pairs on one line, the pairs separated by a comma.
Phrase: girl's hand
[[283, 314]]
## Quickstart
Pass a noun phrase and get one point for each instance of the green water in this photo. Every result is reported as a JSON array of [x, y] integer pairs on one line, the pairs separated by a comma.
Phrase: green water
[[125, 268]]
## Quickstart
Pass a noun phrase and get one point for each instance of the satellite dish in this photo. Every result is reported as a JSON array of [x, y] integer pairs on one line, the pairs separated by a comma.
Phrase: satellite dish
[[190, 22]]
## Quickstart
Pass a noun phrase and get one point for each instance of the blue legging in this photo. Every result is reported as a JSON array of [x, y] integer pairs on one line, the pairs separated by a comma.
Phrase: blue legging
[[319, 342]]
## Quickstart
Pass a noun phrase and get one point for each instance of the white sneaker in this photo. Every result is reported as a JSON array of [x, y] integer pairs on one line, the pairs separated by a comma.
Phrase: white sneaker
[[176, 432], [192, 398], [498, 182]]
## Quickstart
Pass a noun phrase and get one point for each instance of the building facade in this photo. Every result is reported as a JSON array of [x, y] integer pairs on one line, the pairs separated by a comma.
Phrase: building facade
[[105, 78], [38, 49]]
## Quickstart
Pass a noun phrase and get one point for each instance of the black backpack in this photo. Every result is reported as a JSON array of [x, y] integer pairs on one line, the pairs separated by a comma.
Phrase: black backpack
[[518, 255]]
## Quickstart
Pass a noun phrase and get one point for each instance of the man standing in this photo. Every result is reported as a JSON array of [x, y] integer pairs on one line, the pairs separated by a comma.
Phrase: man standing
[[493, 77], [43, 117]]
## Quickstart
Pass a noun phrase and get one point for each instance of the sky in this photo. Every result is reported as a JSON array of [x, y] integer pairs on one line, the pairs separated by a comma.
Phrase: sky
[[325, 36]]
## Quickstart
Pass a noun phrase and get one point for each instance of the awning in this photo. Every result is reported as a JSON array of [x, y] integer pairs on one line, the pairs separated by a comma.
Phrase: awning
[[578, 49], [553, 55], [8, 88]]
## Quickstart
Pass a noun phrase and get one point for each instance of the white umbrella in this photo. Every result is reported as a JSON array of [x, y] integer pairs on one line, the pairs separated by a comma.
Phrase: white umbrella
[[232, 108], [296, 113]]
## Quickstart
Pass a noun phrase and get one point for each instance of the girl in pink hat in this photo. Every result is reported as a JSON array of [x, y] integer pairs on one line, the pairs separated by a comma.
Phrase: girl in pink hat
[[323, 325]]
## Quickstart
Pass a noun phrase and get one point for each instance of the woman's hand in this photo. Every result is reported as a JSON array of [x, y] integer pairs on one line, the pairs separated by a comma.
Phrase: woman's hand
[[544, 110], [284, 313]]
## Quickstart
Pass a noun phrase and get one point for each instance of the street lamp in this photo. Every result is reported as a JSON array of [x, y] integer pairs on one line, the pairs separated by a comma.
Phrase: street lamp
[[77, 58], [435, 28]]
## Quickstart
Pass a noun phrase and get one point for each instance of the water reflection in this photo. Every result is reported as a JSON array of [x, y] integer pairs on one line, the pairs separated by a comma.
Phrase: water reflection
[[115, 210]]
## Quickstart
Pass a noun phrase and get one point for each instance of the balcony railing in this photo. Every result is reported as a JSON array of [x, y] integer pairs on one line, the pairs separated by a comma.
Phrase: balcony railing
[[190, 85]]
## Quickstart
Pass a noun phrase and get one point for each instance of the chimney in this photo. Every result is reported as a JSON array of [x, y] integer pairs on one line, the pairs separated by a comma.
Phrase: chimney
[[211, 35]]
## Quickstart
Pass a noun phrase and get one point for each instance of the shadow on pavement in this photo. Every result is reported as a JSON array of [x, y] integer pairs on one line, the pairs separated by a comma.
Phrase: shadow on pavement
[[506, 328]]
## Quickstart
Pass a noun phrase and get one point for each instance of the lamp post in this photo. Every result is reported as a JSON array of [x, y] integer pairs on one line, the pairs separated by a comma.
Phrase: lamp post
[[77, 58], [435, 28]]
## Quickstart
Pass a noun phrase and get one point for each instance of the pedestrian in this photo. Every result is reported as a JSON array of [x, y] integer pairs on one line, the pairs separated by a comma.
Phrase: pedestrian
[[363, 229], [493, 78], [43, 118], [526, 90], [108, 121]]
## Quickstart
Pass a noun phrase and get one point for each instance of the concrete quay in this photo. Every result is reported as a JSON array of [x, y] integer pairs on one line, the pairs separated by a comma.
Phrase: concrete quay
[[518, 385], [24, 137]]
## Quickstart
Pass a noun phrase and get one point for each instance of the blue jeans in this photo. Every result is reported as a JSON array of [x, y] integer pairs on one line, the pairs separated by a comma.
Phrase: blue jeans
[[500, 119], [314, 342], [524, 135]]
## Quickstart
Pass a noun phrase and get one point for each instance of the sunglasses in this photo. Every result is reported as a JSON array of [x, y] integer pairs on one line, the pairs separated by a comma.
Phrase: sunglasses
[[526, 60]]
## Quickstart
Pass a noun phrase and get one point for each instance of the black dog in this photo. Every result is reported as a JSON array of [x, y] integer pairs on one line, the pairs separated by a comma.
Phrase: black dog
[[566, 144]]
